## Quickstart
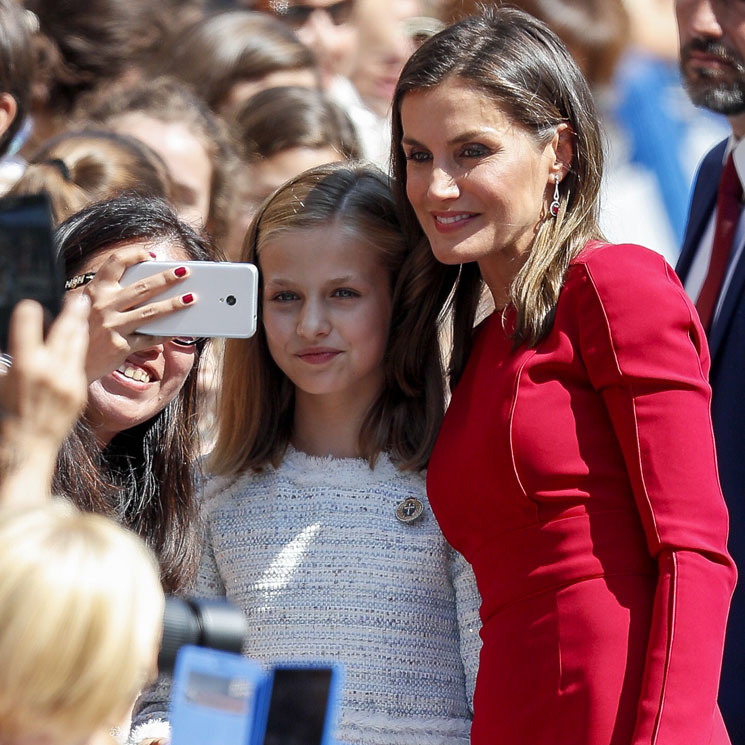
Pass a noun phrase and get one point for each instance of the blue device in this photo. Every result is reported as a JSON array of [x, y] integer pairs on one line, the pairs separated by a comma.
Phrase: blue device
[[221, 698], [216, 697]]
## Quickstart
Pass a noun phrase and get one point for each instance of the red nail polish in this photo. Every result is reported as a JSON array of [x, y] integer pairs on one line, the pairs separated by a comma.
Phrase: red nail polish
[[180, 271], [152, 254], [188, 298]]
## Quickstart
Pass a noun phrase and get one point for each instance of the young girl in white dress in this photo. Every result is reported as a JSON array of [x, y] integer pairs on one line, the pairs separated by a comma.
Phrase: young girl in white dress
[[318, 524]]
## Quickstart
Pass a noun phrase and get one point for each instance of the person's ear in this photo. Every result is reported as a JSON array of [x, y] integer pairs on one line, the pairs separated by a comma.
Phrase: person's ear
[[562, 152], [8, 111]]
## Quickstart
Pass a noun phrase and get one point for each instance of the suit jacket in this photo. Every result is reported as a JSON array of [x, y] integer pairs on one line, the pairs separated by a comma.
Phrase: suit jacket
[[727, 349]]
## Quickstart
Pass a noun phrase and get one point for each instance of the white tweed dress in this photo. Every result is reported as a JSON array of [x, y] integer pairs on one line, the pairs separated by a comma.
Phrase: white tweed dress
[[315, 556]]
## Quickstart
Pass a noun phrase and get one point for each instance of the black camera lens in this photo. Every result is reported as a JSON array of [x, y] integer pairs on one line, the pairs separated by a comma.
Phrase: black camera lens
[[201, 622], [230, 300]]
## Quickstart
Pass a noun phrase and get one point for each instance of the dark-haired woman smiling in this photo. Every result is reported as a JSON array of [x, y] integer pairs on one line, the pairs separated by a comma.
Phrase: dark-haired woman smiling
[[575, 468], [133, 453]]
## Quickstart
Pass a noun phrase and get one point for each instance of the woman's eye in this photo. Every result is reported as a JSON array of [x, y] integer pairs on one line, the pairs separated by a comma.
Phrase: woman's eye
[[418, 156], [474, 151]]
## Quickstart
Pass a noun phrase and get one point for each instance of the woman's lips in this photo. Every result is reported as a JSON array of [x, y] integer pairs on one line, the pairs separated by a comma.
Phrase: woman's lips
[[447, 222], [318, 356]]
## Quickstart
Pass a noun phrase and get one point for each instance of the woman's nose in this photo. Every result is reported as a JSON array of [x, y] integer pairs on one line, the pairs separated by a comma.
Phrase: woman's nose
[[442, 184]]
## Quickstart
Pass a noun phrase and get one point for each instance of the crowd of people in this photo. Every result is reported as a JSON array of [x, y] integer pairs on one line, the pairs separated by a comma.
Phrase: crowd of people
[[483, 450]]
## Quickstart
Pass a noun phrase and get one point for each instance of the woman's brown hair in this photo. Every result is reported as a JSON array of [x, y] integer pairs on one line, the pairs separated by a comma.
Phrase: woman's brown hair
[[16, 63], [285, 117], [81, 46], [224, 49], [255, 411], [519, 64], [78, 168], [595, 31]]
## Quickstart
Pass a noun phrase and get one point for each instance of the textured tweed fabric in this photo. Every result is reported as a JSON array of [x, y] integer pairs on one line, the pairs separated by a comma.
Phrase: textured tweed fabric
[[315, 556]]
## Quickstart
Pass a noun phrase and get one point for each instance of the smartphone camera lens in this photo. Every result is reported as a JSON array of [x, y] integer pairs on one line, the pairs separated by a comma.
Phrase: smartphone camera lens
[[230, 300]]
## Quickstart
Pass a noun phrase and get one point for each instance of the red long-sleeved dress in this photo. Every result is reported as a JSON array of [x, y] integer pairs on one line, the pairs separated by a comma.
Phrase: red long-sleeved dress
[[579, 478]]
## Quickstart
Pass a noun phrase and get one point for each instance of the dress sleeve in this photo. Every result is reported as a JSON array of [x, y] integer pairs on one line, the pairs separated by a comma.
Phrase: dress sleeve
[[646, 353], [151, 710], [468, 602]]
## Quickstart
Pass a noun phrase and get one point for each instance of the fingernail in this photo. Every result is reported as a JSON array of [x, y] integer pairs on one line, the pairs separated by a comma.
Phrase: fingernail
[[152, 254], [188, 298], [180, 271]]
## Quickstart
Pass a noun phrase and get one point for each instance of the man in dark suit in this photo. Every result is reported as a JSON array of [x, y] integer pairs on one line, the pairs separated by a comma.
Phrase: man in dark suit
[[712, 268]]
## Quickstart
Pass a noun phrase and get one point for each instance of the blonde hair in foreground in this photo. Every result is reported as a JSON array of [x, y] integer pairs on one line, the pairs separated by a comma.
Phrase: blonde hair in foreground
[[81, 610]]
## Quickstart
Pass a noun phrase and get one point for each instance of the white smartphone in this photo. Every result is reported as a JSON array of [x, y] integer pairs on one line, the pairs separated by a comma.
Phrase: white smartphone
[[226, 295]]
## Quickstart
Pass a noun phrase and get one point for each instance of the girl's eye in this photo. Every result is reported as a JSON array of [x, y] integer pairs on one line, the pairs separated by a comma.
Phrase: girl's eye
[[345, 292], [284, 297], [474, 151]]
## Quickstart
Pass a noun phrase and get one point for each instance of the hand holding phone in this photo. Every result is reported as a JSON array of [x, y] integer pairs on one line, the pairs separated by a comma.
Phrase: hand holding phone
[[225, 292], [41, 397], [28, 263], [117, 311]]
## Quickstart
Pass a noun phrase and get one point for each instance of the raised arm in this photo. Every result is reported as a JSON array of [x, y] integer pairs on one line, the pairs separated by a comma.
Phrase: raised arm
[[41, 397]]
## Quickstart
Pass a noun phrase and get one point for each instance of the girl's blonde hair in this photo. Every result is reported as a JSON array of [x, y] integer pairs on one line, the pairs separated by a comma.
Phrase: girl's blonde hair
[[255, 411], [81, 610]]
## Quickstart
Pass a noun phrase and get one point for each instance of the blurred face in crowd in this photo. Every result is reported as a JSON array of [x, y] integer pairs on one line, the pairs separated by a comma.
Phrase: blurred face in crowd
[[272, 172], [148, 380], [328, 27], [243, 90], [266, 175], [186, 157], [712, 53], [384, 46]]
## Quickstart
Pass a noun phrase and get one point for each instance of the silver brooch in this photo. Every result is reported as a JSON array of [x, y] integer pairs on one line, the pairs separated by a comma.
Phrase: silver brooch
[[409, 511]]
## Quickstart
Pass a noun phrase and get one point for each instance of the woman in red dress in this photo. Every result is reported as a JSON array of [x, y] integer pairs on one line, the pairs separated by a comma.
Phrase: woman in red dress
[[575, 468]]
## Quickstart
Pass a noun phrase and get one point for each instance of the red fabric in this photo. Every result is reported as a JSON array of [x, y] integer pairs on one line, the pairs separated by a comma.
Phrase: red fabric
[[579, 478], [729, 202]]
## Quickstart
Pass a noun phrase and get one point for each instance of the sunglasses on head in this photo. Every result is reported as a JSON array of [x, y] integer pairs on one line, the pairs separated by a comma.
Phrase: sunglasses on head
[[81, 280], [297, 15]]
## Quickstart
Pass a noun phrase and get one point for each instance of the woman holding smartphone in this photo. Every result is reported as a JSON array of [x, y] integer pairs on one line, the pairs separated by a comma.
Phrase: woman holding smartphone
[[575, 468], [132, 453]]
